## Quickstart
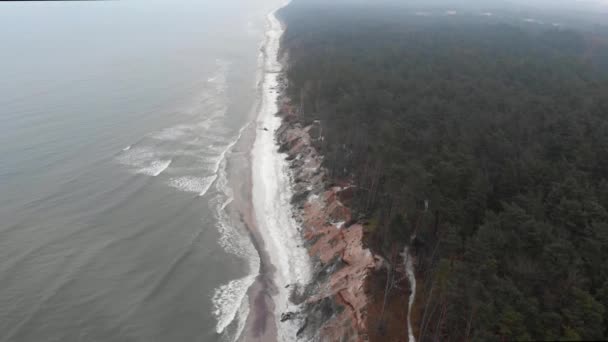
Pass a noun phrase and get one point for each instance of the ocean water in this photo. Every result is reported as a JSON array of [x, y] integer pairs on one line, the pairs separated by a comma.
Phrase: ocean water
[[116, 122]]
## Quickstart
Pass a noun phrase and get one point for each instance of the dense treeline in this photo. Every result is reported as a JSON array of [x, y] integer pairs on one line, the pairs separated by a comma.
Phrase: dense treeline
[[483, 145]]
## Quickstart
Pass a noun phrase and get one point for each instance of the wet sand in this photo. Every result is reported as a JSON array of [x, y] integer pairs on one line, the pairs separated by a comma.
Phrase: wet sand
[[260, 324]]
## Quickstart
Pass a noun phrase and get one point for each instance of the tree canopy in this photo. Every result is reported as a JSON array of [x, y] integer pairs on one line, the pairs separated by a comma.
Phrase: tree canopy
[[484, 140]]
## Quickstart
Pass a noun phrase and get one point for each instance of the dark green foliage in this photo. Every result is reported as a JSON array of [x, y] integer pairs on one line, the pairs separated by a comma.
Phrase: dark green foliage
[[486, 141]]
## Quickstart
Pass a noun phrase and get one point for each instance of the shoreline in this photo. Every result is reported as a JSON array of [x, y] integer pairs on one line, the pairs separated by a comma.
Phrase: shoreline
[[254, 319], [263, 202], [341, 301], [314, 276], [258, 318], [327, 300], [272, 193]]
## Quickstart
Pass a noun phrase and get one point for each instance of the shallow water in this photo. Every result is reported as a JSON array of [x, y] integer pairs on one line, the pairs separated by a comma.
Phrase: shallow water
[[116, 119]]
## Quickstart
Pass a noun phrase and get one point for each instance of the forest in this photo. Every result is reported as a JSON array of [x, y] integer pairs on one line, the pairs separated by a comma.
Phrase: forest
[[480, 143]]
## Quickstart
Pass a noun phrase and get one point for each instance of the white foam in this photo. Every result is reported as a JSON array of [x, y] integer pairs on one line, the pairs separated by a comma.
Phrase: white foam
[[198, 185], [227, 300], [224, 150], [127, 148], [144, 161], [205, 144], [272, 195], [242, 315], [155, 168], [230, 301]]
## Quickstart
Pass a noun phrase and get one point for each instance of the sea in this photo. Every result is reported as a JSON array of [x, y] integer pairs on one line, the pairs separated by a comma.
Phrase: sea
[[118, 122]]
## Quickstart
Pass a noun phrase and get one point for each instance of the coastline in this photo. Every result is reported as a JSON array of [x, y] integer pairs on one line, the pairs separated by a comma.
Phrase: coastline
[[253, 319], [340, 302], [265, 208], [315, 268], [345, 299], [363, 283], [272, 193], [257, 309]]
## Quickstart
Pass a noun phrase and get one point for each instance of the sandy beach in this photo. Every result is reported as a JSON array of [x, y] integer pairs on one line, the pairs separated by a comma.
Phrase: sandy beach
[[260, 324], [259, 174]]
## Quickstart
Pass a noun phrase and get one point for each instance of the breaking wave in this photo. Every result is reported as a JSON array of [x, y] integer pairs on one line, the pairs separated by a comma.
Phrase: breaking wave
[[206, 137], [155, 168], [144, 161], [198, 185], [194, 156], [230, 301]]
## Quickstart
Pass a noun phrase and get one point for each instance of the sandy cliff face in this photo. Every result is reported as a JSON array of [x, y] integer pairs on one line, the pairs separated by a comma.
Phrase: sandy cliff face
[[336, 301]]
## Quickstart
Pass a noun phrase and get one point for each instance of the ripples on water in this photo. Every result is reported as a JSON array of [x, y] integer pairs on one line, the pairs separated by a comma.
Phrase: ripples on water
[[116, 220], [194, 161]]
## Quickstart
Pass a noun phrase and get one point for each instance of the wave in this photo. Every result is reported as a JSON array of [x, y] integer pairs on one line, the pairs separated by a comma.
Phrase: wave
[[229, 299], [151, 157], [241, 316], [198, 185], [156, 168], [195, 153], [203, 146], [272, 194], [145, 161]]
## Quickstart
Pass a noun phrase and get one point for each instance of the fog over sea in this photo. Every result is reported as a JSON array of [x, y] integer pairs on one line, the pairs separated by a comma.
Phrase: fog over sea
[[116, 121]]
